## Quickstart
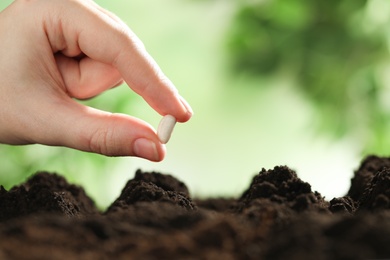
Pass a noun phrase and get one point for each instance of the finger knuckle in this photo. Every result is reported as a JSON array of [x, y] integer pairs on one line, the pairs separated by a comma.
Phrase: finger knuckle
[[101, 141]]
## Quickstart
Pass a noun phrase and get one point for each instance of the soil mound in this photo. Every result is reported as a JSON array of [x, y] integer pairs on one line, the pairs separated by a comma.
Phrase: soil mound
[[279, 216]]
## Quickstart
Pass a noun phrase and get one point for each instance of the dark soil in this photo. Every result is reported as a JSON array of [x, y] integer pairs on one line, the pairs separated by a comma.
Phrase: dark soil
[[277, 217]]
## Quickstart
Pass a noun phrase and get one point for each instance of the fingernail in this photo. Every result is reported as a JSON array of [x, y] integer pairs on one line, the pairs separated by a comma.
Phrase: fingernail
[[187, 106], [145, 148]]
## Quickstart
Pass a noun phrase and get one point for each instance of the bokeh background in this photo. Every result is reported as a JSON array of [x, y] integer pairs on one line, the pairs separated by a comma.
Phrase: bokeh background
[[272, 82]]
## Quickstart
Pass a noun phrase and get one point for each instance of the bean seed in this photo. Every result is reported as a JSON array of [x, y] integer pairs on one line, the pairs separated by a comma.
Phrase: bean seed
[[165, 128]]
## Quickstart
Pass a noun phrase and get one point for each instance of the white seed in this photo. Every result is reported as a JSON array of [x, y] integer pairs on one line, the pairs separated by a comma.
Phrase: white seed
[[165, 128]]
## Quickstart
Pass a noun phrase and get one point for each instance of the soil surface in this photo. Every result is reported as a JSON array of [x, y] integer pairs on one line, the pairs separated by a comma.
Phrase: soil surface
[[278, 217]]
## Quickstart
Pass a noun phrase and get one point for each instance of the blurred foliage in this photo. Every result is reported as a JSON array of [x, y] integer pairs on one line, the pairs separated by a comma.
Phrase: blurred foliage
[[333, 51]]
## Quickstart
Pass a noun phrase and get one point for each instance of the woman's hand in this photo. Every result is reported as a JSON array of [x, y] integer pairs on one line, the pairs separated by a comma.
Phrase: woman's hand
[[52, 51]]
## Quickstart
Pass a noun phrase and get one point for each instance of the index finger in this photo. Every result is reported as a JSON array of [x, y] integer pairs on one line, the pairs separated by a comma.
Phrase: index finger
[[103, 37]]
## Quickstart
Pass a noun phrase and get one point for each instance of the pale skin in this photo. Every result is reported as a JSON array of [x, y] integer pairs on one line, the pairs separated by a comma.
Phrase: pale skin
[[53, 52]]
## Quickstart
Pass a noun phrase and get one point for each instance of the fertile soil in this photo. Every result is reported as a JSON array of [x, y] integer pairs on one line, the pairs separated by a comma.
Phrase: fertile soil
[[277, 217]]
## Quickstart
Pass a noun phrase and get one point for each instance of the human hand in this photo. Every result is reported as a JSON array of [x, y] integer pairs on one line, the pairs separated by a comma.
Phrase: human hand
[[55, 51]]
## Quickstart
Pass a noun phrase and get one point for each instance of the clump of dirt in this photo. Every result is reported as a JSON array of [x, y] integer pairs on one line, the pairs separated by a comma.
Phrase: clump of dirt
[[45, 192], [369, 167], [278, 217], [150, 187], [282, 186], [376, 196]]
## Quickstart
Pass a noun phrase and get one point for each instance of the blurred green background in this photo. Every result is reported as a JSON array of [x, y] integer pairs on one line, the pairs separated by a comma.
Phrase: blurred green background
[[272, 82]]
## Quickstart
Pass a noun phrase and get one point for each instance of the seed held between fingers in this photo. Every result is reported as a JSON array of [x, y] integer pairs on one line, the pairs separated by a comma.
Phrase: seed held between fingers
[[165, 128]]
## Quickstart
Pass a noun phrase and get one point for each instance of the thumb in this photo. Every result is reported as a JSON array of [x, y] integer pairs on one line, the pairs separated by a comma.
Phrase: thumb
[[88, 129]]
